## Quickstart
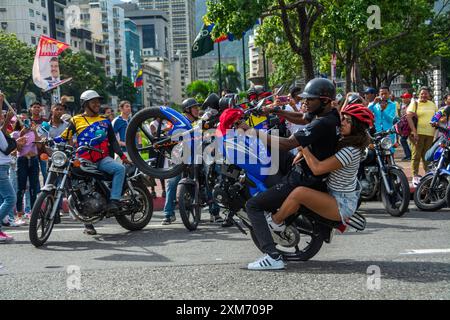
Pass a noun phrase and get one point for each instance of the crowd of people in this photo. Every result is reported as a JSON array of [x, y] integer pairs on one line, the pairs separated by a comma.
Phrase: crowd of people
[[326, 138]]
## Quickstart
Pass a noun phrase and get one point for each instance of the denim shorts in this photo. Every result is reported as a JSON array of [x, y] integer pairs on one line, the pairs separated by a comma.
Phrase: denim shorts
[[347, 202]]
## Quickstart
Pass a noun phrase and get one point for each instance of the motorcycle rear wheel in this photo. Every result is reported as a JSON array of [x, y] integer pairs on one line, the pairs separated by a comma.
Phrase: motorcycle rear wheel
[[39, 220], [144, 197], [311, 249]]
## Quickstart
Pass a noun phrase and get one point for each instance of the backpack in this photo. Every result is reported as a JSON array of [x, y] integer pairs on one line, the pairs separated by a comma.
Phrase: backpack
[[12, 145]]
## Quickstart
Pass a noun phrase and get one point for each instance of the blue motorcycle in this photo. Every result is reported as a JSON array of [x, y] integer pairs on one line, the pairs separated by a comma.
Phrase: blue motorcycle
[[244, 172], [431, 193]]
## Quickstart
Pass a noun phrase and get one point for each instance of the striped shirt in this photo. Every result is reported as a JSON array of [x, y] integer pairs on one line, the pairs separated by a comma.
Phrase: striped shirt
[[344, 179]]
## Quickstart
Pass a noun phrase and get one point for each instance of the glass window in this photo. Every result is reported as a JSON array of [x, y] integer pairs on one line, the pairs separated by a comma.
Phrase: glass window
[[43, 3], [44, 17], [32, 27], [149, 39], [33, 40], [31, 13]]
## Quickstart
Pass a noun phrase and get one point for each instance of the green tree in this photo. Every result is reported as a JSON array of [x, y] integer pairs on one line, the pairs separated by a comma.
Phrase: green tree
[[86, 73], [124, 89], [231, 78], [297, 18], [16, 65], [200, 89]]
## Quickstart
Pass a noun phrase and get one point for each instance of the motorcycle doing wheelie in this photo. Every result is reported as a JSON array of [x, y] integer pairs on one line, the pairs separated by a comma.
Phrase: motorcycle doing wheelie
[[87, 190], [380, 175], [305, 232], [431, 192]]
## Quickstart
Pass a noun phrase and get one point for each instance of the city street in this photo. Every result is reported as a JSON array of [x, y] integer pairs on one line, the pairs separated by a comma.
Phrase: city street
[[168, 262]]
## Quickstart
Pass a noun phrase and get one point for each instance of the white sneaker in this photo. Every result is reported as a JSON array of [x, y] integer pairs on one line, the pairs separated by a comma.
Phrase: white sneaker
[[274, 226], [267, 263]]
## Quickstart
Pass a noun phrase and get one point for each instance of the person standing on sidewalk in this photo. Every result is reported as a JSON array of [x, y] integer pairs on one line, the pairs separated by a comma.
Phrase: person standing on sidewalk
[[7, 194], [403, 126], [422, 132]]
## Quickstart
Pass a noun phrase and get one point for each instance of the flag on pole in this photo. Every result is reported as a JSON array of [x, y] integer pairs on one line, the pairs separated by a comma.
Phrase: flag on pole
[[139, 81], [46, 73], [203, 43]]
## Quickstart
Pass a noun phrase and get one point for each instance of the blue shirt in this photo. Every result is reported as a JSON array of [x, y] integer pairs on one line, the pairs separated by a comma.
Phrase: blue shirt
[[384, 118], [120, 128]]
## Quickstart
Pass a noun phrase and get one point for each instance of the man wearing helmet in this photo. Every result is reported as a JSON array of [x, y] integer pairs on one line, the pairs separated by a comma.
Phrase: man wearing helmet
[[91, 129], [320, 136]]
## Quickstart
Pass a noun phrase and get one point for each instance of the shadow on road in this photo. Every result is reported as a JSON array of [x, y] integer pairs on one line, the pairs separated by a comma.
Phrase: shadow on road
[[410, 271]]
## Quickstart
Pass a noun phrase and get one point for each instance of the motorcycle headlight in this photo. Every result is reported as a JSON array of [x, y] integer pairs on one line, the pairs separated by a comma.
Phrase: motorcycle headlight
[[386, 143], [59, 159]]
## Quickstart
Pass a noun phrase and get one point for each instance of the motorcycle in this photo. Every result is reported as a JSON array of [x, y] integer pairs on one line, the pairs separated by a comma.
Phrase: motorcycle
[[431, 192], [87, 190], [380, 175], [305, 232]]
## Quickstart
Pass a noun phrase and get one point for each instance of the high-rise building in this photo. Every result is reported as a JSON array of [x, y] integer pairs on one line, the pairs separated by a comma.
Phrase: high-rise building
[[27, 19], [182, 32], [107, 23], [57, 19]]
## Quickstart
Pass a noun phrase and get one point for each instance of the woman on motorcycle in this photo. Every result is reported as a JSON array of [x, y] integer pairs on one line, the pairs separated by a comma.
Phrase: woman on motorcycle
[[341, 201]]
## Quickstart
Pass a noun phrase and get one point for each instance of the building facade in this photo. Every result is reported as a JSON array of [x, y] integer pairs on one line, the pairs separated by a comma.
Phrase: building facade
[[182, 32], [206, 64], [27, 19]]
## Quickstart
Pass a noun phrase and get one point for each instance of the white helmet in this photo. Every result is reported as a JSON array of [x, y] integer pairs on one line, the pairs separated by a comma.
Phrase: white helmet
[[89, 95]]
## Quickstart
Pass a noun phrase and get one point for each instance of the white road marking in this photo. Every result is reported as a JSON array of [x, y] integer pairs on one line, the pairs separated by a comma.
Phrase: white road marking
[[427, 251]]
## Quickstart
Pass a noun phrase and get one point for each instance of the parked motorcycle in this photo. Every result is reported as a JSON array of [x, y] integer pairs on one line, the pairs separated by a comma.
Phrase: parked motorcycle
[[431, 192], [87, 190], [380, 175]]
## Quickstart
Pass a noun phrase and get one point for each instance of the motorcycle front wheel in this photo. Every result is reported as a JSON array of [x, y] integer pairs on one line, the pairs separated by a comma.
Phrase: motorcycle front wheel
[[397, 203], [427, 200], [190, 213], [155, 162], [41, 225]]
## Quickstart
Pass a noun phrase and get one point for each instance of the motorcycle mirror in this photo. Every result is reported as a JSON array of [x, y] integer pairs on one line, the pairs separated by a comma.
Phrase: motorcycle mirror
[[261, 103]]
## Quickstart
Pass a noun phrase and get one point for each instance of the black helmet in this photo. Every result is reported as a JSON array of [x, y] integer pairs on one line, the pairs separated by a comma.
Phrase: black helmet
[[319, 88], [355, 98], [212, 102], [188, 104], [225, 103]]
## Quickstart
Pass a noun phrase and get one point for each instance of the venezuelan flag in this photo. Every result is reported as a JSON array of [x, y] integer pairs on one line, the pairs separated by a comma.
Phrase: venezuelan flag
[[139, 82]]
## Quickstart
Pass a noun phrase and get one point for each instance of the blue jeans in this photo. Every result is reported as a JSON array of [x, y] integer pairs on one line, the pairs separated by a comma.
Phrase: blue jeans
[[7, 194], [171, 196], [405, 145], [117, 170], [43, 166], [27, 170]]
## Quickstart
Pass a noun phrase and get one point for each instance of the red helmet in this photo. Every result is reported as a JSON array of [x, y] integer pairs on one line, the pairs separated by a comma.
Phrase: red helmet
[[360, 112], [228, 118]]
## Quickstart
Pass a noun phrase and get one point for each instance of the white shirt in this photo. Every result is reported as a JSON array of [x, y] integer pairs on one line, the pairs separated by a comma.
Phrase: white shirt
[[4, 159]]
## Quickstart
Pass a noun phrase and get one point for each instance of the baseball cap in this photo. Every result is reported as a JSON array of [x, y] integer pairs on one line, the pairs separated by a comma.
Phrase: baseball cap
[[406, 95]]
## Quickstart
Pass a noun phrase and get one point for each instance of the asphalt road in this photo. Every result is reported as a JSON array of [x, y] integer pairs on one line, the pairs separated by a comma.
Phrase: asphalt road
[[411, 254]]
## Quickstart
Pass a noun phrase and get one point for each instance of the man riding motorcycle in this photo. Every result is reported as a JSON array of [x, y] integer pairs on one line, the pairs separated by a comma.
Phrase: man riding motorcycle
[[321, 136], [92, 129]]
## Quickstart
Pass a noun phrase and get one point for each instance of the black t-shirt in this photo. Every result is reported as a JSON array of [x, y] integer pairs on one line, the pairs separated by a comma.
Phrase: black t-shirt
[[321, 136]]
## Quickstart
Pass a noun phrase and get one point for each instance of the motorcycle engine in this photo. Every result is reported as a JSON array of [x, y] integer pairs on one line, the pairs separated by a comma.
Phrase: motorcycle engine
[[227, 194], [369, 183], [89, 201]]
